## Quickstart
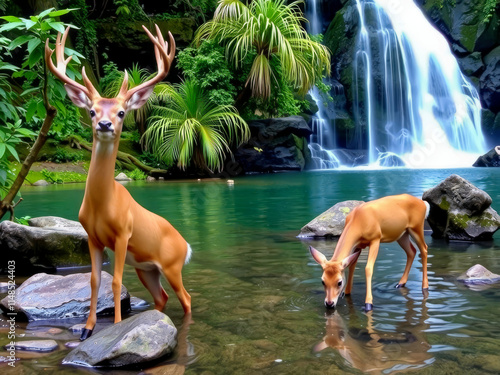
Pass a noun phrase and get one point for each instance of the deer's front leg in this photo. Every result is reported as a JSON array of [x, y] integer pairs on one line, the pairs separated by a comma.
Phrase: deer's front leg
[[95, 283], [121, 244], [372, 256]]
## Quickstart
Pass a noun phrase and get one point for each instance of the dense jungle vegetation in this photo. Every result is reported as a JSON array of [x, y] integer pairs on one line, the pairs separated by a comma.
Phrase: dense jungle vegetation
[[235, 61]]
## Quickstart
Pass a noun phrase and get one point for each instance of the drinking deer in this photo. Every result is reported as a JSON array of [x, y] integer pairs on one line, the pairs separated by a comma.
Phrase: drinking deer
[[394, 218], [109, 214]]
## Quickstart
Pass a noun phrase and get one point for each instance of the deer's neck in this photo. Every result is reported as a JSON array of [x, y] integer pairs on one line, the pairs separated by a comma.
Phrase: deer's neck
[[101, 176]]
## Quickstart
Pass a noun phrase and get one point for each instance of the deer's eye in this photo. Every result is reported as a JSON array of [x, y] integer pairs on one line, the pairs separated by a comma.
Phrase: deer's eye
[[121, 114], [340, 283], [322, 282], [92, 113]]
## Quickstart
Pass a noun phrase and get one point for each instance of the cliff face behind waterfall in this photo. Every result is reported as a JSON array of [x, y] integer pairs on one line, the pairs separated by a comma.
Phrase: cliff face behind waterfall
[[473, 35]]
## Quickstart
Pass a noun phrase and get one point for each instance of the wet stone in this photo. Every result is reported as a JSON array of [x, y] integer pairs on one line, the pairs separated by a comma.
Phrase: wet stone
[[77, 328], [72, 344], [36, 345], [138, 304]]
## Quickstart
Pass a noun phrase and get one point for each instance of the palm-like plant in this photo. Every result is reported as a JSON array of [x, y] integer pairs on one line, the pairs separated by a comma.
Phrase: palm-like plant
[[271, 28], [191, 128]]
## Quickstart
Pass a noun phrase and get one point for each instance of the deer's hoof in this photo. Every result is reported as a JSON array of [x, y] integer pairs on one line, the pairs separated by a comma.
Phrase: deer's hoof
[[86, 333], [368, 306], [400, 285]]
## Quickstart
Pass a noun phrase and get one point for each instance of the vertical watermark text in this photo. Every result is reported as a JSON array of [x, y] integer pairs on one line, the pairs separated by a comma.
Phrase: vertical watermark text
[[12, 314]]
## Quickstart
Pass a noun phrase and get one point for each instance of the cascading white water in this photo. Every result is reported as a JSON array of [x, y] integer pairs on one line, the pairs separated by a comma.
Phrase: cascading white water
[[323, 140], [409, 94]]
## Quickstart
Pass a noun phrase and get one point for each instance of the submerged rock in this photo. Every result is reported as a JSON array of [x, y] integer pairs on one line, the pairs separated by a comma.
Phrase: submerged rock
[[478, 275], [490, 159], [45, 296], [140, 338], [50, 243], [36, 345], [461, 211], [330, 223]]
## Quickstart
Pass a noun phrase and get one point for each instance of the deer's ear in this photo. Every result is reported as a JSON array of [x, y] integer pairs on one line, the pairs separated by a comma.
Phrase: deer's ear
[[140, 98], [78, 97], [350, 259], [318, 256]]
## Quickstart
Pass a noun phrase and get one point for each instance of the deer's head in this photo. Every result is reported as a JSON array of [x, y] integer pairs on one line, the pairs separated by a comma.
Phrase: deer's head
[[107, 114], [333, 277]]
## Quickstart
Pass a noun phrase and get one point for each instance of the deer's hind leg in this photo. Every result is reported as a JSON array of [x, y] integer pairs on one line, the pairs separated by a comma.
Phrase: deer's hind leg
[[417, 234], [151, 280], [410, 251]]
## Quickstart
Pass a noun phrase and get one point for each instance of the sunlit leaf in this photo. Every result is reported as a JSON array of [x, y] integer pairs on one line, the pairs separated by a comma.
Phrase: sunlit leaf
[[10, 26], [19, 41], [45, 12], [58, 26], [61, 12], [11, 19]]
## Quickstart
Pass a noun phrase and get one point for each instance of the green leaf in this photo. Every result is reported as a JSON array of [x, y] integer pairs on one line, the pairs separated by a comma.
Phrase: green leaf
[[10, 26], [29, 23], [29, 91], [31, 110], [40, 110], [11, 19], [19, 41], [33, 43], [13, 152], [26, 132], [58, 26], [34, 57], [2, 149], [3, 176], [9, 67], [61, 12], [45, 12]]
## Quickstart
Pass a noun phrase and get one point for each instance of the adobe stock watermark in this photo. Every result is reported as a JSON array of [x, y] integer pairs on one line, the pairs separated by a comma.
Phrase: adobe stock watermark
[[12, 314]]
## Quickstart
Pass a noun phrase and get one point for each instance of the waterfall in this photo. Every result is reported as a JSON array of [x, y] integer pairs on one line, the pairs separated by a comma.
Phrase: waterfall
[[322, 143], [412, 105]]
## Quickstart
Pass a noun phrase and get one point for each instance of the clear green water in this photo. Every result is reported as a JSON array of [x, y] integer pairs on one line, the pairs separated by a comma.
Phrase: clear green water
[[257, 295]]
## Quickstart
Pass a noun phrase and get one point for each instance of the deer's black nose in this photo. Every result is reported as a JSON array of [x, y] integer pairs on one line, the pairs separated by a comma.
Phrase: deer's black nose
[[104, 126], [329, 305]]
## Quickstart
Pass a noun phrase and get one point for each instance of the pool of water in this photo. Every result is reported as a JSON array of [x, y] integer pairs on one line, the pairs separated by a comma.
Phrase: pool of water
[[256, 291]]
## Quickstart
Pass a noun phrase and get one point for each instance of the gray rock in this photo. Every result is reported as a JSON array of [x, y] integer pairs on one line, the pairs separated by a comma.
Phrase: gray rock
[[478, 275], [490, 159], [42, 249], [36, 345], [40, 183], [138, 304], [275, 145], [330, 223], [72, 344], [471, 64], [150, 179], [45, 296], [78, 328], [53, 222], [460, 211], [140, 338], [490, 84], [491, 56], [122, 177]]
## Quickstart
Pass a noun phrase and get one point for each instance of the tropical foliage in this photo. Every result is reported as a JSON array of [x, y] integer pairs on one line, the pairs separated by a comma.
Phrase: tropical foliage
[[191, 130], [271, 30], [41, 96]]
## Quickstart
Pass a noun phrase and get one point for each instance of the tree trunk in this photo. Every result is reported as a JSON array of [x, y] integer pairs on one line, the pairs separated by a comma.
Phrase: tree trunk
[[6, 204]]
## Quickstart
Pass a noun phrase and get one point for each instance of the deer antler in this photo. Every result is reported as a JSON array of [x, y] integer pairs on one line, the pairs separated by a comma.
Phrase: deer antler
[[163, 59], [60, 70]]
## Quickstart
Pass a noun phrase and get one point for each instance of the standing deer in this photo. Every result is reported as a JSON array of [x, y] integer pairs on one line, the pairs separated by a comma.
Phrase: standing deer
[[108, 213], [389, 219]]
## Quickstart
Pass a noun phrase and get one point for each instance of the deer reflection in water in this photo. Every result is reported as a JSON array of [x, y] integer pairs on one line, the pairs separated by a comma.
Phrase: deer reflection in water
[[375, 351]]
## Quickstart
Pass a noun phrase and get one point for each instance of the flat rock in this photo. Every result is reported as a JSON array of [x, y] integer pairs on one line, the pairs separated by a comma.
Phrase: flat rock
[[140, 338], [54, 222], [490, 159], [461, 211], [45, 296], [330, 223], [36, 345], [478, 275], [43, 248]]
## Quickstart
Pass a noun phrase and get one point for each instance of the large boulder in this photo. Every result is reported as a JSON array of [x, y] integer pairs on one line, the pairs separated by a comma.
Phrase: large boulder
[[277, 144], [478, 274], [490, 159], [330, 223], [460, 211], [45, 296], [141, 338], [45, 245]]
